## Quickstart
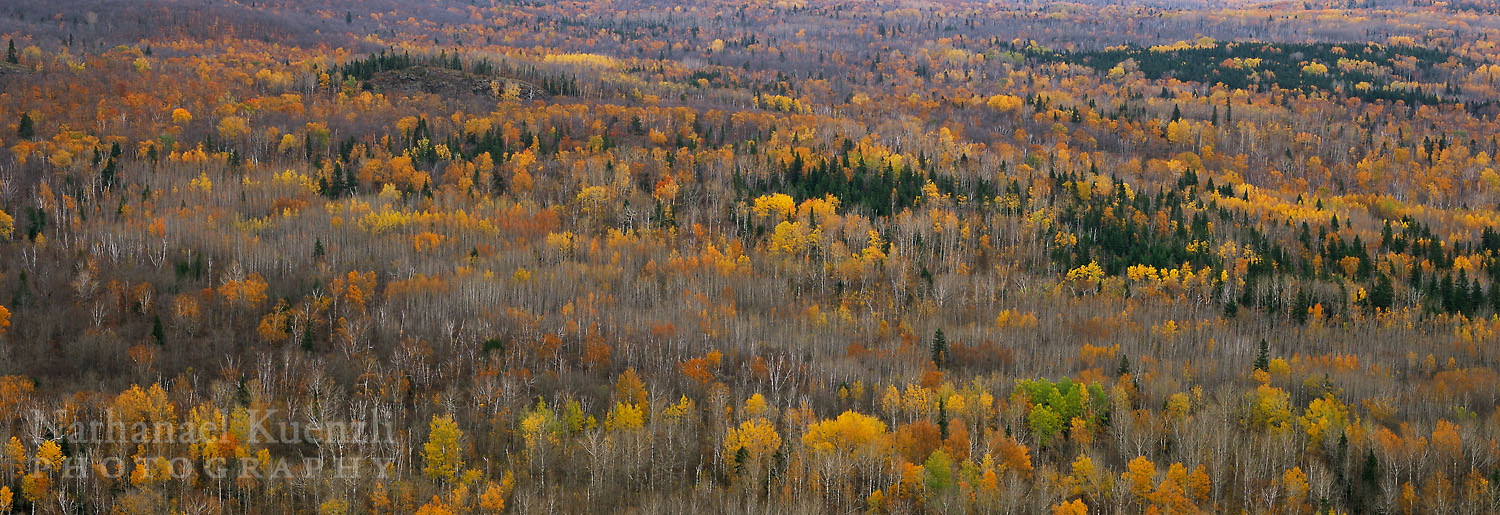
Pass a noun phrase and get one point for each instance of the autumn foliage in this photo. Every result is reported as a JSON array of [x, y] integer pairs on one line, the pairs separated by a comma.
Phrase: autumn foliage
[[786, 256]]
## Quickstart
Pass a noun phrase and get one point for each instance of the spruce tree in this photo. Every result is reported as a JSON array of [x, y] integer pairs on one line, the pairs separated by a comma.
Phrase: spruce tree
[[1263, 360], [1300, 307], [158, 333], [939, 348], [1371, 473], [1383, 295], [107, 175], [741, 455], [22, 293], [943, 418], [25, 129]]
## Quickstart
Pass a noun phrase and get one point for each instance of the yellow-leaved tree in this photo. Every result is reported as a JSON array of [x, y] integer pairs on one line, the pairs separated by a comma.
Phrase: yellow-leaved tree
[[624, 417], [776, 206], [35, 486], [850, 433], [1004, 103], [49, 455], [748, 444], [7, 225], [630, 389], [150, 409], [441, 455], [15, 456]]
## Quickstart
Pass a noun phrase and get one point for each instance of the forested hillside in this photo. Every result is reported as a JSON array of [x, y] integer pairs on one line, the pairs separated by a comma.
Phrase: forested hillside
[[769, 256]]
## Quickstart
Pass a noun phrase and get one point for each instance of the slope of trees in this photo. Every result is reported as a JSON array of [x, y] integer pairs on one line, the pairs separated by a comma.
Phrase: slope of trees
[[748, 256]]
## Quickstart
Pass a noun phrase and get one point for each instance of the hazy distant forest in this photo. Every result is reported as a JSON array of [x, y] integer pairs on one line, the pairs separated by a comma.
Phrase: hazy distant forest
[[754, 256]]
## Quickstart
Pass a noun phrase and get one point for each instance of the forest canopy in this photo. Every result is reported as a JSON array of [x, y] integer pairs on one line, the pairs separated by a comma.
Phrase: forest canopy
[[435, 257]]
